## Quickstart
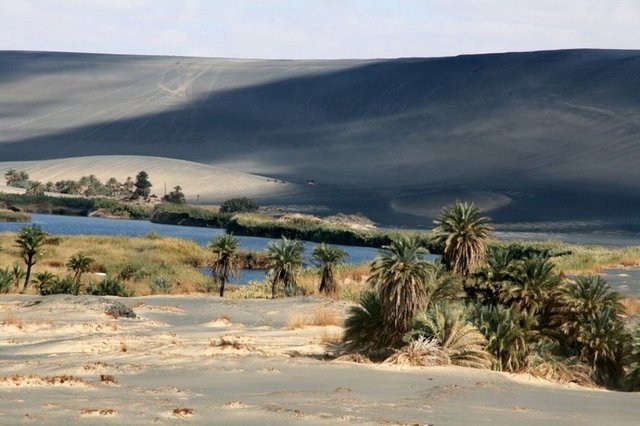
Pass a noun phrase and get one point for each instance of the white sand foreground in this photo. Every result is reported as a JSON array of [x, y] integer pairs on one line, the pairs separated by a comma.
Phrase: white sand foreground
[[204, 360]]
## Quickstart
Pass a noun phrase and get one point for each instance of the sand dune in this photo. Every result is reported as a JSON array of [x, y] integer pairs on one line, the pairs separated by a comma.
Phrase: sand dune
[[212, 184], [203, 359], [554, 131]]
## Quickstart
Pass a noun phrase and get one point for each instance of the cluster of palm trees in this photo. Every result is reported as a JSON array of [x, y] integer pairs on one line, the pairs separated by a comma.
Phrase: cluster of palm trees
[[491, 307], [284, 259], [30, 241]]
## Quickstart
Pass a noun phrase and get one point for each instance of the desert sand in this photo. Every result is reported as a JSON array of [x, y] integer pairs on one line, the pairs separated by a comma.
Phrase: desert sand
[[205, 360], [541, 136]]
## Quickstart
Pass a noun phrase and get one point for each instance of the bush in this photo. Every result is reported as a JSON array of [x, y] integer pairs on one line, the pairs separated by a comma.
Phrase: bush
[[109, 287], [6, 279], [239, 205], [58, 285], [160, 285]]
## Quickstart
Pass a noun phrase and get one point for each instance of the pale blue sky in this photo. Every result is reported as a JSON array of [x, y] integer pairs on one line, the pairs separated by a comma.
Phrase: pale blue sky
[[317, 28]]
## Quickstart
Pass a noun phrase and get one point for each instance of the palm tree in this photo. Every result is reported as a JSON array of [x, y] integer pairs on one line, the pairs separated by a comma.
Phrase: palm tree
[[17, 273], [30, 240], [44, 280], [284, 260], [463, 233], [461, 342], [400, 277], [363, 327], [5, 280], [79, 264], [507, 339], [327, 258], [225, 263], [490, 279], [534, 284], [591, 319]]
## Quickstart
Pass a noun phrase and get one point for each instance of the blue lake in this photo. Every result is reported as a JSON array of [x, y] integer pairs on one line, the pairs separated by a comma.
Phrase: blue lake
[[74, 225]]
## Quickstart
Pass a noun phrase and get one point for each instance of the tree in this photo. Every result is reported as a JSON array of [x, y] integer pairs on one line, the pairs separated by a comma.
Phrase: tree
[[534, 284], [142, 184], [225, 263], [113, 186], [30, 241], [19, 179], [462, 343], [35, 188], [79, 264], [176, 196], [327, 258], [284, 260], [463, 233], [239, 205], [400, 277]]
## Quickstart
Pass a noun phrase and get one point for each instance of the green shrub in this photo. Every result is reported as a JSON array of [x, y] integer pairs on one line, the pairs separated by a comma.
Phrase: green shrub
[[109, 287], [160, 285], [239, 205], [6, 279], [57, 285]]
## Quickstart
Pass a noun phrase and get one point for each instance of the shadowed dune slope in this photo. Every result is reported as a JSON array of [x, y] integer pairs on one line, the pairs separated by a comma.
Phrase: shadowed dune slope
[[540, 135]]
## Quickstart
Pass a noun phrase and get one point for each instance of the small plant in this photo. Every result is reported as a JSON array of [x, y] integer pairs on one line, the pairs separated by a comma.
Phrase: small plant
[[160, 285], [131, 270], [183, 412], [6, 279], [109, 287], [108, 379]]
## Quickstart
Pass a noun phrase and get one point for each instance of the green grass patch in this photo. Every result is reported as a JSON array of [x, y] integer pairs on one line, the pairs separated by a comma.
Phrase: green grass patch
[[11, 216]]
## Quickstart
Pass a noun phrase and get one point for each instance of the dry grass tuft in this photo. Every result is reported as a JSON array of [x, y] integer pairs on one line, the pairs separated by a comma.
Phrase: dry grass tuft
[[631, 305], [96, 412], [627, 262], [34, 380], [422, 352], [331, 337], [182, 412], [13, 321], [108, 379], [224, 342], [321, 316]]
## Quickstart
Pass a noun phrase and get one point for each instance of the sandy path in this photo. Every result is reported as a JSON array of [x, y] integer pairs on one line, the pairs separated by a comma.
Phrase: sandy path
[[202, 360]]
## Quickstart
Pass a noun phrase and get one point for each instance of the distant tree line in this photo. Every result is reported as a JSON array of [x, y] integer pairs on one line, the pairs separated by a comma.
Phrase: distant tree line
[[90, 186]]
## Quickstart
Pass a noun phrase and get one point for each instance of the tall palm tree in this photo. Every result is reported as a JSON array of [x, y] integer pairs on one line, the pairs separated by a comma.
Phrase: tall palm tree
[[30, 240], [490, 279], [327, 258], [285, 260], [463, 233], [534, 284], [591, 319], [400, 277], [225, 263], [79, 264]]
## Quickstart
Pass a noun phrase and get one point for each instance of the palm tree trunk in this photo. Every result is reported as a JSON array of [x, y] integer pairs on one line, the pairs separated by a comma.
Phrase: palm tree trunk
[[222, 288], [28, 274]]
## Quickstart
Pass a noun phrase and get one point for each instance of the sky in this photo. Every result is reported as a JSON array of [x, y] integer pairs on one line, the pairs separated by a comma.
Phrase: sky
[[317, 29]]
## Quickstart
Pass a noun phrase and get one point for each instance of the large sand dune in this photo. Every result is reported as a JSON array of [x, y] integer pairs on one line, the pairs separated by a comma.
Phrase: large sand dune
[[211, 184], [551, 135], [204, 360]]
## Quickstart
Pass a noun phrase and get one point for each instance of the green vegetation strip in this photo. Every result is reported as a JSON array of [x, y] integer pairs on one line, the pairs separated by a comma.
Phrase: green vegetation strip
[[11, 216]]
